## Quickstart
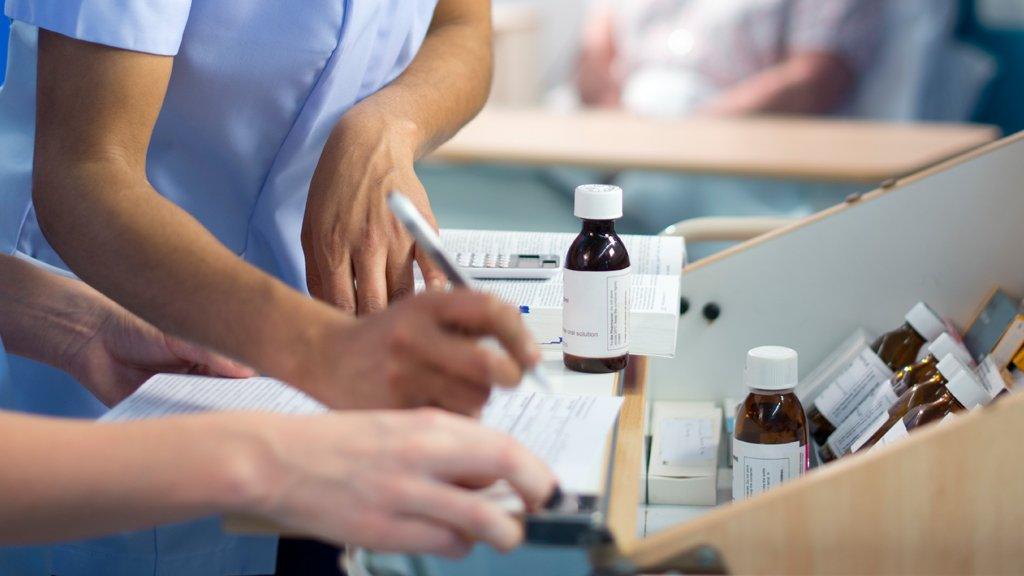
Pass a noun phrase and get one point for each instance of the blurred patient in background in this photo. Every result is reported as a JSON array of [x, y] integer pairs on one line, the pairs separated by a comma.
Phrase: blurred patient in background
[[677, 57]]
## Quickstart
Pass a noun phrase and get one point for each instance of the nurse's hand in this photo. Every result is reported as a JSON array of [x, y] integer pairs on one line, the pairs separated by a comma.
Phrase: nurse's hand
[[423, 351], [67, 324], [390, 481], [112, 352], [349, 236]]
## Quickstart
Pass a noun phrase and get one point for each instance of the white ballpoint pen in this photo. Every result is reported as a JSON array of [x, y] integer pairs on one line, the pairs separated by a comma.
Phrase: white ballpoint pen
[[424, 235]]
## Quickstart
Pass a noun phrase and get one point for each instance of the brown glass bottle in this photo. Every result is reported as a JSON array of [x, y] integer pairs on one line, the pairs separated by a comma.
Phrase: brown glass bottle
[[770, 435], [896, 349], [920, 393], [771, 417], [914, 374], [962, 392], [596, 253], [928, 367], [872, 410]]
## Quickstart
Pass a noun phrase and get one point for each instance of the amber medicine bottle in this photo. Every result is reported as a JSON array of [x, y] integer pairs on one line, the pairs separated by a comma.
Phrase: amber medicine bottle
[[891, 351], [917, 395], [963, 392], [597, 285], [874, 409], [882, 415], [928, 366], [769, 445]]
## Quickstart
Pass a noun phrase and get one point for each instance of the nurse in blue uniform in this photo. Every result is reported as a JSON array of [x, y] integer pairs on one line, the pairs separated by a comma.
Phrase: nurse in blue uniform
[[198, 161]]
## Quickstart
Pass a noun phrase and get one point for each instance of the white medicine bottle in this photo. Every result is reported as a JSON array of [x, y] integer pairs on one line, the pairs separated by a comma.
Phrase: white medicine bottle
[[769, 442], [597, 284]]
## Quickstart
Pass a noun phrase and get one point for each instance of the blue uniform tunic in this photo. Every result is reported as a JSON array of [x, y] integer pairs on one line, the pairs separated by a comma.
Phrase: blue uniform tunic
[[255, 90]]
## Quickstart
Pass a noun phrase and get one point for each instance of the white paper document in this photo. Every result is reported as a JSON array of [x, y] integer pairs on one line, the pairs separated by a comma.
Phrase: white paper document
[[569, 432], [169, 394]]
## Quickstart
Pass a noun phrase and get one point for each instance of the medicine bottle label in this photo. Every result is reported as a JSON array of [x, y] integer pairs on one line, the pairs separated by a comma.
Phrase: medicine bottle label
[[869, 432], [991, 378], [853, 385], [595, 313], [898, 431], [758, 468], [874, 407]]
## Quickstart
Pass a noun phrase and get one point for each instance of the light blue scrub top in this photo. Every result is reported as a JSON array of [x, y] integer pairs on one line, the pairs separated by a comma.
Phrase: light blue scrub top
[[256, 88]]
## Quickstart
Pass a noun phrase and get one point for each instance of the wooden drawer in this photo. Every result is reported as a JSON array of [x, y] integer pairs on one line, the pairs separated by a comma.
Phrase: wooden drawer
[[949, 500]]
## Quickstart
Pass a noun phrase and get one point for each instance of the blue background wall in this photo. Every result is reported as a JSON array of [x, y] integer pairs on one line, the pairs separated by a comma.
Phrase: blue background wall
[[1003, 103], [4, 31]]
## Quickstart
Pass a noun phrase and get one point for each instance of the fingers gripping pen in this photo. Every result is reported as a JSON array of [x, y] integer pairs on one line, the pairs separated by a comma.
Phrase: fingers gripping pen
[[428, 241]]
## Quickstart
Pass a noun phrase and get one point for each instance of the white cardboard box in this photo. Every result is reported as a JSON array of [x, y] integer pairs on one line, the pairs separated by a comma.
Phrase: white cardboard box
[[684, 453]]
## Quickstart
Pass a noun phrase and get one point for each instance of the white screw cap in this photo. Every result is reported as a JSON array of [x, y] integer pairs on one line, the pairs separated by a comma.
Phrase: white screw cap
[[771, 368], [925, 321], [949, 366], [945, 345], [966, 388], [598, 202]]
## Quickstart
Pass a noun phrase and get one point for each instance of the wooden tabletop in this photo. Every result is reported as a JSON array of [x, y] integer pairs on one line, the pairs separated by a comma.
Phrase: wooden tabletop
[[818, 149], [629, 449]]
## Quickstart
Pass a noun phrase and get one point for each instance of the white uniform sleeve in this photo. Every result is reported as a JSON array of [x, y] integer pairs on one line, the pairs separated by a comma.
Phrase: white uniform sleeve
[[153, 26]]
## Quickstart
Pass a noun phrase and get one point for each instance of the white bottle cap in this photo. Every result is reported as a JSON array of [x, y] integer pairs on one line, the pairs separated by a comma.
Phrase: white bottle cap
[[598, 202], [926, 322], [966, 388], [945, 345], [771, 368], [949, 366]]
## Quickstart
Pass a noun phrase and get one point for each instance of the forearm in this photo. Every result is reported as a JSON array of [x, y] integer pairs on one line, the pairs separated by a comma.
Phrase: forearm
[[813, 83], [65, 479], [444, 86], [42, 315], [144, 252]]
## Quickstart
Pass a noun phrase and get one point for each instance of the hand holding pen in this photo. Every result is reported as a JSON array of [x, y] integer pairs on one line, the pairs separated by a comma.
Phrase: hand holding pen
[[428, 241]]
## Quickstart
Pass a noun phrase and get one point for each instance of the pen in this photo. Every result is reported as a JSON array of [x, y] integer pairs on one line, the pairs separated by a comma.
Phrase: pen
[[424, 235]]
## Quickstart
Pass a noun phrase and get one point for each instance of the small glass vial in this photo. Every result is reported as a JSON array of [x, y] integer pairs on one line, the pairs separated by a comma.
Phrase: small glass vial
[[923, 371], [769, 445], [928, 366], [597, 285], [963, 392], [896, 349], [921, 393], [900, 347]]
